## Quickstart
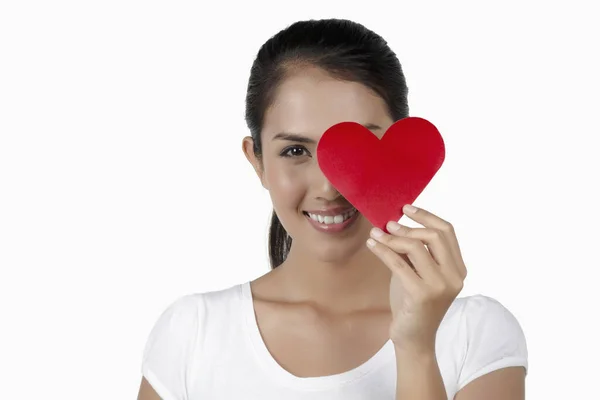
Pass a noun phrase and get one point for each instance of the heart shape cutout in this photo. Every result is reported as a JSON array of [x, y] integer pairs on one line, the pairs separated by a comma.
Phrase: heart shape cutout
[[378, 177]]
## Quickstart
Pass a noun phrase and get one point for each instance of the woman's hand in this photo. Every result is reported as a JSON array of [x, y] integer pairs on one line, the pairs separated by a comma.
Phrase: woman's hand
[[425, 280]]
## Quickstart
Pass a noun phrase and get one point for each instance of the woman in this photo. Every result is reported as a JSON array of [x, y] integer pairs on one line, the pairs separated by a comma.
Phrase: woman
[[347, 311]]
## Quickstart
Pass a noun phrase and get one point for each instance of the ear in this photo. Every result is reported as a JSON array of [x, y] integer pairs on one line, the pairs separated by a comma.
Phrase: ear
[[257, 164]]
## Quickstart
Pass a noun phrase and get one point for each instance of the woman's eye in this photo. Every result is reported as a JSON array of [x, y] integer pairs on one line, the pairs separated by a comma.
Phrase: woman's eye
[[294, 151]]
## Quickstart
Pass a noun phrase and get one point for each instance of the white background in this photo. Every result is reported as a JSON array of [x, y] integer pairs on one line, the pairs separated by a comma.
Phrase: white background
[[123, 184]]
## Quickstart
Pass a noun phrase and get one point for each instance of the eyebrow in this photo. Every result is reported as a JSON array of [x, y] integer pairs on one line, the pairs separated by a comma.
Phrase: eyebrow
[[295, 137]]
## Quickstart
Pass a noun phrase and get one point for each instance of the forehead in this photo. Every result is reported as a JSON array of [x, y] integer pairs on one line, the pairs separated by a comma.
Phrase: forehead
[[310, 101]]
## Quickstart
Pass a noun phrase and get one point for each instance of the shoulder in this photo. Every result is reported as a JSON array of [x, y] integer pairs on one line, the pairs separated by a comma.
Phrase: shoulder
[[491, 337], [187, 312], [175, 325], [484, 314], [195, 305], [178, 336], [182, 311], [479, 319], [166, 355], [183, 318], [479, 309]]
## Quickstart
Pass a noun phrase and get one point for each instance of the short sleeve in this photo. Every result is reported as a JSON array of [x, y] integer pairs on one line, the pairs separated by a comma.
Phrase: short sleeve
[[495, 339], [169, 347]]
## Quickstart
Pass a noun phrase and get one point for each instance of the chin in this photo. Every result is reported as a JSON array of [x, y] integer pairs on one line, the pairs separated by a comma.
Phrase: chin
[[336, 246], [340, 252]]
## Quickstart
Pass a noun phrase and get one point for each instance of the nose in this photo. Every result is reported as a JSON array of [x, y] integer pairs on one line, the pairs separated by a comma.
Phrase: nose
[[322, 188]]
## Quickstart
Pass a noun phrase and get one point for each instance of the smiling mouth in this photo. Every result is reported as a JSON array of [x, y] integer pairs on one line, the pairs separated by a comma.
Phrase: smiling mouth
[[332, 219]]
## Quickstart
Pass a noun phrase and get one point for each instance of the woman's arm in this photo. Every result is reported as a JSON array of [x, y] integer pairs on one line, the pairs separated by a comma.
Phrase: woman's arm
[[505, 383], [147, 392]]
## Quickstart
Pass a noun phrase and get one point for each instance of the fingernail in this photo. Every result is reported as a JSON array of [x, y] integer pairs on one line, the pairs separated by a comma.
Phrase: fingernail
[[370, 242], [393, 226], [376, 232], [410, 209]]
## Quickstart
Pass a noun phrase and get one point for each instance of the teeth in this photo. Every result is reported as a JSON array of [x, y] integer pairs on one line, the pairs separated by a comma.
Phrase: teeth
[[329, 219]]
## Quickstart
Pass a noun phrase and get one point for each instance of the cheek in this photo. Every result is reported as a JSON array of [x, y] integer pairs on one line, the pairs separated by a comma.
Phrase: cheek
[[286, 184]]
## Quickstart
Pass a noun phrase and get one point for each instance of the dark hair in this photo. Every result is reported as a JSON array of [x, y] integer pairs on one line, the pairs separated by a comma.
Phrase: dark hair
[[344, 49]]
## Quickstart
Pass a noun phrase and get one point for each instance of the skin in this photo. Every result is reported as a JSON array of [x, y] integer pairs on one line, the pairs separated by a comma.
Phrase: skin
[[332, 291], [334, 272], [335, 301]]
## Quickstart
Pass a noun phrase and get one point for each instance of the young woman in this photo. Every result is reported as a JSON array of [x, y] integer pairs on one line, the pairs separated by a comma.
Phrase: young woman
[[347, 311]]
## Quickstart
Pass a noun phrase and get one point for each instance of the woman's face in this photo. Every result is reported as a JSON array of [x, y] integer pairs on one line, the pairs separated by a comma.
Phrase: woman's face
[[306, 104]]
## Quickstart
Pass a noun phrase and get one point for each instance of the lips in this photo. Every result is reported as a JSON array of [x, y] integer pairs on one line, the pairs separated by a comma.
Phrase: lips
[[331, 211], [330, 218]]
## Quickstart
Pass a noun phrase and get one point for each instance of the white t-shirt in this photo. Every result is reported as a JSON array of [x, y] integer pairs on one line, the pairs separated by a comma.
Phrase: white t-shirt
[[208, 346]]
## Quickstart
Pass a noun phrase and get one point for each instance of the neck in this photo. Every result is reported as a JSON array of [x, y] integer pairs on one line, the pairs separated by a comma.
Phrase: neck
[[358, 283]]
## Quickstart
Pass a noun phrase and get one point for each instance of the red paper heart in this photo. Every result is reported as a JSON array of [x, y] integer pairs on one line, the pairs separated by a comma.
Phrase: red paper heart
[[379, 177]]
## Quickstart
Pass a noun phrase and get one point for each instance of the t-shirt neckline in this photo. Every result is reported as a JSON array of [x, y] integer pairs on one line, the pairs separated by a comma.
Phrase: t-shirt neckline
[[281, 375]]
